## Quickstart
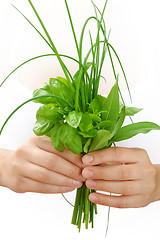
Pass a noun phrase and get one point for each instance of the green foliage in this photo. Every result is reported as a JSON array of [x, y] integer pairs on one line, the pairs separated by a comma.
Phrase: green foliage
[[72, 113], [133, 129], [71, 139], [74, 118], [100, 141], [43, 91]]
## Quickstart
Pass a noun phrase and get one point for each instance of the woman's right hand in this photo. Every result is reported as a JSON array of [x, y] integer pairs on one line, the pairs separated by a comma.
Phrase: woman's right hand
[[38, 167]]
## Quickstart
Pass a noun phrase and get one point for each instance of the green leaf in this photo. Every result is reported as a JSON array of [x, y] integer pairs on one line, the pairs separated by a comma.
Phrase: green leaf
[[134, 129], [111, 105], [63, 80], [86, 146], [50, 113], [74, 118], [91, 133], [130, 111], [96, 105], [56, 137], [42, 126], [107, 125], [86, 122], [60, 89], [100, 141], [120, 121], [44, 91], [95, 118], [71, 139]]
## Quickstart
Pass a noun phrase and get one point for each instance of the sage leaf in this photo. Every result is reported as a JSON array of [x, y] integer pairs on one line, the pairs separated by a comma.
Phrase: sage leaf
[[133, 129]]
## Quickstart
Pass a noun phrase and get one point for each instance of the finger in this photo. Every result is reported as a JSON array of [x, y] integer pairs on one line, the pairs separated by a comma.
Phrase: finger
[[54, 163], [116, 172], [115, 155], [44, 143], [46, 176], [119, 201], [123, 187], [38, 187]]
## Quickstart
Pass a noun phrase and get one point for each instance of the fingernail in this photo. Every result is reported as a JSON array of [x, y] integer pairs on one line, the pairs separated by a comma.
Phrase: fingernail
[[87, 173], [93, 198], [70, 188], [87, 159], [91, 184], [82, 178], [77, 183]]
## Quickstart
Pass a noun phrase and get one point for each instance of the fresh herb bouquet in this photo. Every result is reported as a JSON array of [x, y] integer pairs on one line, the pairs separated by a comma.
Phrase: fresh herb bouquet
[[73, 114]]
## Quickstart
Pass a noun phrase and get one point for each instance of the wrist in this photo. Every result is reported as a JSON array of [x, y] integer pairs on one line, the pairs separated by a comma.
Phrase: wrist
[[156, 194], [4, 156]]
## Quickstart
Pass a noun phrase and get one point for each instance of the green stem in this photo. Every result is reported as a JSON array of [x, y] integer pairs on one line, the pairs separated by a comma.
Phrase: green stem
[[76, 206], [79, 221], [87, 207]]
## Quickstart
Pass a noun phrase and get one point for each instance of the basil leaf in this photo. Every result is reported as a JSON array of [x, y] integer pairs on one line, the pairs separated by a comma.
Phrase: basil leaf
[[63, 80], [44, 91], [74, 118], [86, 122], [107, 125], [86, 146], [91, 133], [96, 104], [100, 141], [111, 105], [134, 129], [50, 113], [42, 126], [71, 139], [56, 138], [60, 89], [95, 118]]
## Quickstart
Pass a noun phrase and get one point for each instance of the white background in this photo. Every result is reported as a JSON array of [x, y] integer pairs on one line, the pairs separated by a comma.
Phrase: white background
[[135, 34]]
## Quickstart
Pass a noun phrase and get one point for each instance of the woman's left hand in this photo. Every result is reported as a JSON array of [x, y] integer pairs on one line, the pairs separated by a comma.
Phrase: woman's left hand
[[127, 172]]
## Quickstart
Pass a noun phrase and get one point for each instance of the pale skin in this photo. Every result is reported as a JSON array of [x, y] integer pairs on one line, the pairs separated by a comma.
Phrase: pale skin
[[38, 167], [127, 172]]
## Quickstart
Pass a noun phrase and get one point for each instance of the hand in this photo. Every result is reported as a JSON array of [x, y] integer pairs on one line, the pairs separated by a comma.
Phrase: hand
[[38, 167], [123, 171]]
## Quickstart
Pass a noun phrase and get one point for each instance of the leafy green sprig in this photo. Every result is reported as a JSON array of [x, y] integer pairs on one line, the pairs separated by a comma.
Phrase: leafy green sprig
[[73, 114]]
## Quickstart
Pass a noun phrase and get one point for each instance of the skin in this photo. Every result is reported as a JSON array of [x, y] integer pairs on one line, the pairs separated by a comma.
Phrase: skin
[[123, 171], [38, 167]]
